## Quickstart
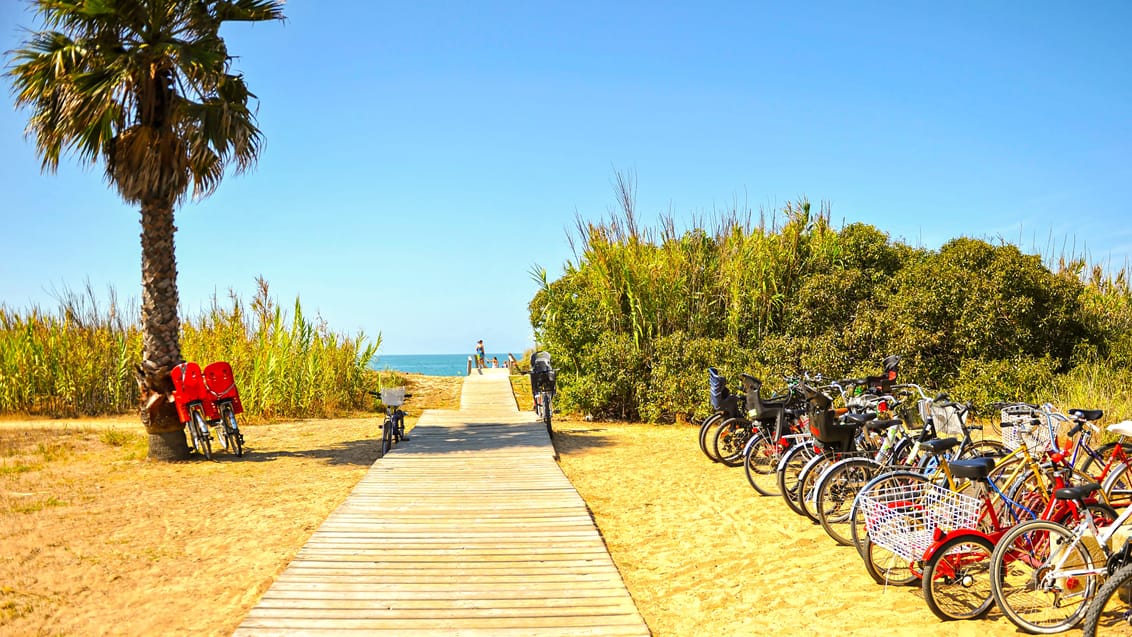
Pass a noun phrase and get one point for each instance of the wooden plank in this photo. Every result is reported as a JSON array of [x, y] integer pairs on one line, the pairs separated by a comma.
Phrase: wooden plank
[[455, 607], [468, 529]]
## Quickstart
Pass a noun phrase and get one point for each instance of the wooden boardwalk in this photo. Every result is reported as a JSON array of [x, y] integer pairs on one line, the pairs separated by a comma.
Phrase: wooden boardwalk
[[470, 528]]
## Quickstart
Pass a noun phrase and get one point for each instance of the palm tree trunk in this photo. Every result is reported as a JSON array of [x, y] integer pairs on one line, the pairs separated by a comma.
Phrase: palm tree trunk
[[161, 348]]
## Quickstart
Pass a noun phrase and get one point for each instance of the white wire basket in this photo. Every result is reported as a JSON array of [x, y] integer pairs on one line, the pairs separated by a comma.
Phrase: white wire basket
[[393, 396], [949, 419], [1023, 423], [903, 518]]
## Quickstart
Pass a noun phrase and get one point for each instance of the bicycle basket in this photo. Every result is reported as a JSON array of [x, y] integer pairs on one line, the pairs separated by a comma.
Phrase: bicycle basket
[[903, 518], [949, 419], [393, 396], [1023, 423]]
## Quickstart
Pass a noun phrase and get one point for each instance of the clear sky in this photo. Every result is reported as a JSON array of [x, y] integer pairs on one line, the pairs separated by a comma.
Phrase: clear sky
[[422, 156]]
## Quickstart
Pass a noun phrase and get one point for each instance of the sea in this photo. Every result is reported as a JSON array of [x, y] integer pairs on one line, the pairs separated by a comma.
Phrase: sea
[[427, 364]]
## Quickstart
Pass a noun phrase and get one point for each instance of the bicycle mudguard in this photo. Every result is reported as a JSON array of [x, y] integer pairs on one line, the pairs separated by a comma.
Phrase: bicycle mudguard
[[967, 533]]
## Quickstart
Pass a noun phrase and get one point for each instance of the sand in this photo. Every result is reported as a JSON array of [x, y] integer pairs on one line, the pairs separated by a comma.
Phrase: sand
[[96, 540]]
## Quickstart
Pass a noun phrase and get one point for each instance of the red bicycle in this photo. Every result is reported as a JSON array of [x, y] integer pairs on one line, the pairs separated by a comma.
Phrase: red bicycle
[[195, 406]]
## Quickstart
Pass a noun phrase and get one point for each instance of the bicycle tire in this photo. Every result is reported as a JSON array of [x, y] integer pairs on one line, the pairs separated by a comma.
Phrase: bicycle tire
[[788, 470], [221, 434], [1019, 577], [707, 432], [983, 449], [807, 483], [200, 433], [837, 489], [548, 412], [386, 436], [730, 441], [885, 567], [1117, 486], [1104, 451], [857, 530], [1111, 607], [956, 580], [760, 461], [235, 436]]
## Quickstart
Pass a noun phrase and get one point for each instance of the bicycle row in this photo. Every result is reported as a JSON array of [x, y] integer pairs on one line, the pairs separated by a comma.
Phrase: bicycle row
[[1021, 522]]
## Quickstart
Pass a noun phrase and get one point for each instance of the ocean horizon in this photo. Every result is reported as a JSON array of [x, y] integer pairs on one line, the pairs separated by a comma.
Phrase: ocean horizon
[[428, 364]]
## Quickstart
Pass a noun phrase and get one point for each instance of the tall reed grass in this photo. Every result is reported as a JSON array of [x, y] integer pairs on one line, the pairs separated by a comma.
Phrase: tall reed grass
[[78, 360], [642, 310]]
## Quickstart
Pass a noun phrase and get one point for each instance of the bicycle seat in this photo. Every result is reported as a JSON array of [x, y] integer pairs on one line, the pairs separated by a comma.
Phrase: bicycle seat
[[939, 445], [881, 425], [1091, 415], [973, 468], [858, 419], [1122, 428], [1075, 493], [757, 407]]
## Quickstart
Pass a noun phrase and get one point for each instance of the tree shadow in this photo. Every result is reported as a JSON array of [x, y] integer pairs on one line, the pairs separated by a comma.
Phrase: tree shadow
[[361, 453], [570, 440]]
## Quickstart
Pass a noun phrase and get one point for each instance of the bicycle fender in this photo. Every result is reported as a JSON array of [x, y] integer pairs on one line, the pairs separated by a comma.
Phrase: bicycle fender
[[964, 533]]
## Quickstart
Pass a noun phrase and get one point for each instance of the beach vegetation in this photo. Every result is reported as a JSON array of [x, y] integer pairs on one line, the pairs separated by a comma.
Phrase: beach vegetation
[[641, 311], [75, 360], [148, 91]]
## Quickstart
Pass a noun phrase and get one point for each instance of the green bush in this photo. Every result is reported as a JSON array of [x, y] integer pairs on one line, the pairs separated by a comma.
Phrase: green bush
[[638, 317]]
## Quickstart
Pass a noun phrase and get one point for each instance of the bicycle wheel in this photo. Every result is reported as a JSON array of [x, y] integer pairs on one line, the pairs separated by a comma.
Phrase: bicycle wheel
[[857, 519], [401, 428], [730, 441], [1110, 613], [1025, 582], [1117, 486], [707, 435], [807, 483], [836, 490], [1090, 464], [221, 434], [984, 449], [547, 412], [886, 567], [956, 580], [235, 437], [760, 459], [386, 436], [789, 470], [200, 434]]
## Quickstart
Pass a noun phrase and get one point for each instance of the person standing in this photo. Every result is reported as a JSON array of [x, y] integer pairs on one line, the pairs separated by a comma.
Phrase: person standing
[[479, 354]]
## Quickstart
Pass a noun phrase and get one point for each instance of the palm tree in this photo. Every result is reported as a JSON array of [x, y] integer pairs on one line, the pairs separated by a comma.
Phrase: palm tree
[[145, 86]]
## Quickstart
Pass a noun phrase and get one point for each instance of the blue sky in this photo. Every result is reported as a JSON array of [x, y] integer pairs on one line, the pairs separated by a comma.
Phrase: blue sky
[[422, 156]]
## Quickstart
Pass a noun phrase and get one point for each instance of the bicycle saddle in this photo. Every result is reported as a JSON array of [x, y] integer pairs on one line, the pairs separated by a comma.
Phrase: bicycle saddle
[[1091, 415], [1122, 428], [1075, 493], [973, 468], [939, 445], [858, 419], [881, 425]]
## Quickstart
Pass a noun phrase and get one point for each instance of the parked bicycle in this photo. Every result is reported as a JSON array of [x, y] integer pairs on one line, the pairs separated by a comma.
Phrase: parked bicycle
[[221, 386], [194, 406], [393, 429], [1043, 573], [543, 387]]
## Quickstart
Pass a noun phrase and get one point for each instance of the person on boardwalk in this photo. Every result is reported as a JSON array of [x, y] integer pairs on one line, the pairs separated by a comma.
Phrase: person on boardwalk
[[479, 354]]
